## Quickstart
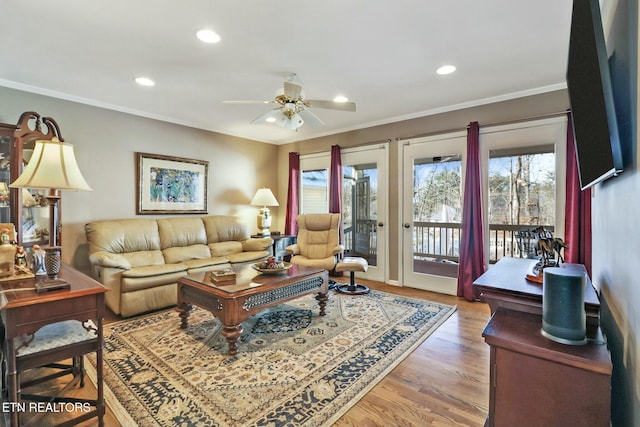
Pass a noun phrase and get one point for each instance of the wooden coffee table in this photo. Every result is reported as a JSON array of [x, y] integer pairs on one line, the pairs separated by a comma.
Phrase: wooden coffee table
[[250, 292]]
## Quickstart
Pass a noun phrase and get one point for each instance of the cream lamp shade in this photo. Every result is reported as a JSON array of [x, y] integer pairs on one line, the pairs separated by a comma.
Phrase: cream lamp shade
[[52, 165], [264, 197]]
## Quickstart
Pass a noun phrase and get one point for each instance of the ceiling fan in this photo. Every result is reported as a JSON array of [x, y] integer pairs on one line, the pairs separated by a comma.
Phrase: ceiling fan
[[293, 108]]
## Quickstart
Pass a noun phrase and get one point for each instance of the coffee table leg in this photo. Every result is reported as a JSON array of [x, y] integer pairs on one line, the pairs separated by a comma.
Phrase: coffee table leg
[[232, 333], [322, 302], [184, 310]]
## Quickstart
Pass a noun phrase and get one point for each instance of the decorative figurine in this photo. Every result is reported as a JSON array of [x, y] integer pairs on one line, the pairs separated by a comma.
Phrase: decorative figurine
[[21, 257], [38, 261], [5, 237]]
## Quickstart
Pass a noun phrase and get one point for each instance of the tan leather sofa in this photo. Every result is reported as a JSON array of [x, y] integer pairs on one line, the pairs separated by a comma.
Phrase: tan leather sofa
[[140, 260]]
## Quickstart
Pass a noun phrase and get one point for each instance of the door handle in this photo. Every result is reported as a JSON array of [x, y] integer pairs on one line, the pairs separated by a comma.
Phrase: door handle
[[406, 225], [381, 224]]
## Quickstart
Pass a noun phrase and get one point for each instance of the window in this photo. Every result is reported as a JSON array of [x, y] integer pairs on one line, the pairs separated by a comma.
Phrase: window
[[522, 196], [315, 191]]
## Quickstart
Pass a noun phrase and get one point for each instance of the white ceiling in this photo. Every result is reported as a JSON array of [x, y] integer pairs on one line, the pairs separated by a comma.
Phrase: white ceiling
[[381, 54]]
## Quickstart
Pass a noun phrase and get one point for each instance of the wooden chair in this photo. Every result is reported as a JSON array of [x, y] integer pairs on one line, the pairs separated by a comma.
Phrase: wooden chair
[[51, 347]]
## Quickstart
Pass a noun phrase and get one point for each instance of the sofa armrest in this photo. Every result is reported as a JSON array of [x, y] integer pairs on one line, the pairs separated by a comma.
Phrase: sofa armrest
[[108, 259], [293, 249], [257, 244], [337, 250]]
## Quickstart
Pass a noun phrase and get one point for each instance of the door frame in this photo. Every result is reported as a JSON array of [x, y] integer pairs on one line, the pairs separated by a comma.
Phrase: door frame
[[360, 154], [435, 145]]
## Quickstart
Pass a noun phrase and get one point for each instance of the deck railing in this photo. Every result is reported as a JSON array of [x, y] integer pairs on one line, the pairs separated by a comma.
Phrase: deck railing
[[439, 241]]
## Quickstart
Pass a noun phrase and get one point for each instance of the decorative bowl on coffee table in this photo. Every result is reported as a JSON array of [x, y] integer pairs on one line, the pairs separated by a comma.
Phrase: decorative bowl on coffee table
[[259, 266]]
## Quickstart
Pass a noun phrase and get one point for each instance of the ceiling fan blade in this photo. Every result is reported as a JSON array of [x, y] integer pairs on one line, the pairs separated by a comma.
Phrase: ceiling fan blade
[[248, 102], [292, 90], [271, 114], [310, 118], [331, 105]]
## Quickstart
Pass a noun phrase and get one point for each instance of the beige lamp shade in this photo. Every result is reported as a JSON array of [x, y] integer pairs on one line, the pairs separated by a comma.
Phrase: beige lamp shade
[[3, 189], [52, 165], [264, 197]]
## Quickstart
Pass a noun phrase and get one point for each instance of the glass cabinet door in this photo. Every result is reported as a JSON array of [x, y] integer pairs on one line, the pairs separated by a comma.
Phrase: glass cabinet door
[[6, 144]]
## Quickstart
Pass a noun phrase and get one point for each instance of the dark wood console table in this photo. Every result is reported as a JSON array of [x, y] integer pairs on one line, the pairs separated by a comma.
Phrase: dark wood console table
[[535, 381], [505, 285], [25, 311], [539, 382]]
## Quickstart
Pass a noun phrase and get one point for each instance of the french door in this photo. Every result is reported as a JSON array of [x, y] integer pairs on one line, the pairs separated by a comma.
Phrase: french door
[[431, 210], [364, 201]]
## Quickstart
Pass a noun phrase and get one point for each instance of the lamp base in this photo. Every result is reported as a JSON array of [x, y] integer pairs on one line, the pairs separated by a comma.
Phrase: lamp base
[[264, 222]]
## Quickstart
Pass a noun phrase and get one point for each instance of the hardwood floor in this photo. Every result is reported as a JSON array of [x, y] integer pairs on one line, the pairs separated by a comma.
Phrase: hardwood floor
[[444, 382]]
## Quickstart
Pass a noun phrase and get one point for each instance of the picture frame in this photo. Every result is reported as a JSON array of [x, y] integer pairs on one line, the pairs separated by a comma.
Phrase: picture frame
[[170, 185]]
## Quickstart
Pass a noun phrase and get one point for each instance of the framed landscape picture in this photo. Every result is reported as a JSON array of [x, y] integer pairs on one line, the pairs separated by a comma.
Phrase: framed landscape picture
[[170, 185]]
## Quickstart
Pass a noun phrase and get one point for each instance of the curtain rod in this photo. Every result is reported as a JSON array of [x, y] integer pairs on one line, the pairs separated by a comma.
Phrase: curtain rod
[[492, 124], [364, 144]]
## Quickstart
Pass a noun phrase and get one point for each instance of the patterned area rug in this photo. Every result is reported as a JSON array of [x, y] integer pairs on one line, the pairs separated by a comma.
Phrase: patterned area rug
[[294, 368]]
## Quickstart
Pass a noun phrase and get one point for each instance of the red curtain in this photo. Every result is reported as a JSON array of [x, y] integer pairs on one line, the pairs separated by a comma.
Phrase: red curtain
[[577, 217], [335, 191], [471, 240], [335, 184], [291, 219]]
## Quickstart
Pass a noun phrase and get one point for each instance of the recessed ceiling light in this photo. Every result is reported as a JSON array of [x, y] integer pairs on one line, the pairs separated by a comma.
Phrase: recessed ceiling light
[[340, 98], [144, 81], [208, 36], [446, 69]]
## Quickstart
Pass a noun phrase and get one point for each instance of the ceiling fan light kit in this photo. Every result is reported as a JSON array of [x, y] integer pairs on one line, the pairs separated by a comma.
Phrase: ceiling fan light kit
[[293, 110]]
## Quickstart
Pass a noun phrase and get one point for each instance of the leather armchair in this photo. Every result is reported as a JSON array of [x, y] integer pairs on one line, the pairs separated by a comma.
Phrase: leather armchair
[[318, 243]]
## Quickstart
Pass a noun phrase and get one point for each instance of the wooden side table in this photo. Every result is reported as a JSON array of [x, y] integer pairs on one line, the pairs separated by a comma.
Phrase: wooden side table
[[538, 382], [505, 285], [25, 312], [280, 243]]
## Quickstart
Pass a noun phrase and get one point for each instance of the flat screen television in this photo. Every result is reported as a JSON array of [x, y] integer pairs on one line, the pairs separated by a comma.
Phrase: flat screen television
[[595, 125]]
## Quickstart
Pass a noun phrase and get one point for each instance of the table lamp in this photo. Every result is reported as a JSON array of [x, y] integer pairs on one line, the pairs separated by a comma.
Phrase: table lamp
[[264, 197], [52, 166]]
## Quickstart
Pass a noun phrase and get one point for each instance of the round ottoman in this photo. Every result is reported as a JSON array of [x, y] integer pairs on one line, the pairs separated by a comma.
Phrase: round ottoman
[[352, 264]]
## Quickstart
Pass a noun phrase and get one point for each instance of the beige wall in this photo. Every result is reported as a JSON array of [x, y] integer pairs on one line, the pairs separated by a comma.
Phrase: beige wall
[[532, 106], [105, 144]]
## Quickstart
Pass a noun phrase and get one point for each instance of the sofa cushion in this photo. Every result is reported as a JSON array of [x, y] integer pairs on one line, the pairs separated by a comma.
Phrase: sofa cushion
[[123, 235], [242, 257], [143, 258], [257, 244], [155, 270], [177, 232], [225, 248], [221, 228], [132, 284], [185, 253], [195, 264]]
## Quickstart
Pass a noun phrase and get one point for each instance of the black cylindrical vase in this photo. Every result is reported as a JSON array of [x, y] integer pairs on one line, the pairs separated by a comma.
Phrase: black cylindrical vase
[[52, 261], [563, 312]]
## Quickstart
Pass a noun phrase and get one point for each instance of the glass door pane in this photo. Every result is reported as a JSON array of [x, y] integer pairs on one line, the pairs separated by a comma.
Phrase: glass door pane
[[432, 176], [360, 210], [437, 214]]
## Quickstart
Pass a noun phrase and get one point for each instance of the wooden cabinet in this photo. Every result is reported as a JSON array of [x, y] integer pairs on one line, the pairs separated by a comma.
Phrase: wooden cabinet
[[539, 382], [6, 143], [28, 209]]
